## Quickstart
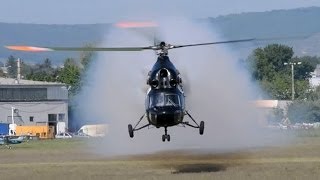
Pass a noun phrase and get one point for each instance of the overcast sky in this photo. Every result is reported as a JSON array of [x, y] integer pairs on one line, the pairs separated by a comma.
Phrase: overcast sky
[[105, 11]]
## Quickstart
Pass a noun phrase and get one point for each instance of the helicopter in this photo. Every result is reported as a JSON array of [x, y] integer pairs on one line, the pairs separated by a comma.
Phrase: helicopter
[[165, 98]]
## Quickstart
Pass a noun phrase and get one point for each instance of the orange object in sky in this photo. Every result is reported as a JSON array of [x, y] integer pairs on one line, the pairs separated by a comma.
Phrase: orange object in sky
[[28, 48], [135, 24]]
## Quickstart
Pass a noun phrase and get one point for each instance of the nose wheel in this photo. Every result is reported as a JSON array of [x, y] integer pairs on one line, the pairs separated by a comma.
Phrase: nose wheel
[[166, 136]]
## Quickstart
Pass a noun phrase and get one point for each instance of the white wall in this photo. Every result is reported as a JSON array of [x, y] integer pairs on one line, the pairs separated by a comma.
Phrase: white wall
[[39, 110]]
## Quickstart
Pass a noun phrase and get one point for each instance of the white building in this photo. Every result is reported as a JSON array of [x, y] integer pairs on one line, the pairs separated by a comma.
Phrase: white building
[[33, 102], [315, 79]]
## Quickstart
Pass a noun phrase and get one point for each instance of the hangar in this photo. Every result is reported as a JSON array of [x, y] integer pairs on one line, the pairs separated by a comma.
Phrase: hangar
[[34, 103]]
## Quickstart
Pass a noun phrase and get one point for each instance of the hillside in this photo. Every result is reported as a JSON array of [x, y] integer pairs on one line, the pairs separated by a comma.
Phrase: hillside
[[277, 23], [295, 22]]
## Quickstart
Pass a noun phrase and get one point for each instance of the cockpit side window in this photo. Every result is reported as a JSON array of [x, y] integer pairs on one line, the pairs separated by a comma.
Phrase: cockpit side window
[[182, 101]]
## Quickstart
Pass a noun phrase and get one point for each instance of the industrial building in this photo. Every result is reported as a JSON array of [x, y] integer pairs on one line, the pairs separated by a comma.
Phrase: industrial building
[[34, 103]]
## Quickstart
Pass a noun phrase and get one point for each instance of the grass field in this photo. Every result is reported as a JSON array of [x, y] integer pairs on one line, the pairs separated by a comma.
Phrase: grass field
[[72, 159]]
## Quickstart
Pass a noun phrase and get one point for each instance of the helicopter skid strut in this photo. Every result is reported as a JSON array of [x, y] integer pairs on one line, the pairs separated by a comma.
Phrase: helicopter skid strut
[[131, 129], [166, 136], [199, 126]]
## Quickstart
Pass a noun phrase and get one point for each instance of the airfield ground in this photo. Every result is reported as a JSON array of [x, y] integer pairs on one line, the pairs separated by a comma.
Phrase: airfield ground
[[72, 159]]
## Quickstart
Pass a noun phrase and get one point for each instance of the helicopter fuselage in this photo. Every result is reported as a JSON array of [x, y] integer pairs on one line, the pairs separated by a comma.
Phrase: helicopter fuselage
[[165, 107], [165, 101]]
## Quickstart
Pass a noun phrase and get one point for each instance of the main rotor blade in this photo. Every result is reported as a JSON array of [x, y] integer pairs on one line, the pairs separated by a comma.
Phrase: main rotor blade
[[245, 40], [211, 43], [44, 49], [155, 47], [282, 38]]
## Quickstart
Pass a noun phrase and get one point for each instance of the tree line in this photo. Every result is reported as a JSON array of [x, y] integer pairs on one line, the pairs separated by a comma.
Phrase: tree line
[[69, 73]]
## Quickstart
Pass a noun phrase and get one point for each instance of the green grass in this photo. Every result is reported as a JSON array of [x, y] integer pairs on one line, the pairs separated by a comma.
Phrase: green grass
[[52, 144], [307, 133], [72, 159]]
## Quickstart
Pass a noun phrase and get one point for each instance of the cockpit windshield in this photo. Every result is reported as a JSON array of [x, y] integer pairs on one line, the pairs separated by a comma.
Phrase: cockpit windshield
[[162, 99]]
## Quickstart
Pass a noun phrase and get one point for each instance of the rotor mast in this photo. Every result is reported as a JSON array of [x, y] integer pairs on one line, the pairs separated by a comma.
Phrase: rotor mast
[[163, 49]]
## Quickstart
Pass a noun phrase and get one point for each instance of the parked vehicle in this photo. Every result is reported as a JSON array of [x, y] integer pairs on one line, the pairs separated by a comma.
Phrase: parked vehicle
[[64, 135], [43, 132], [95, 130], [81, 135]]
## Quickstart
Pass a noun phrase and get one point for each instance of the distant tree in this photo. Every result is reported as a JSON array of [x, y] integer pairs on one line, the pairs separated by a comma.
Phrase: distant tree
[[47, 64], [304, 111], [26, 69], [42, 72], [11, 65], [268, 61], [86, 57], [70, 75], [279, 88], [2, 74], [303, 70], [268, 68], [313, 94]]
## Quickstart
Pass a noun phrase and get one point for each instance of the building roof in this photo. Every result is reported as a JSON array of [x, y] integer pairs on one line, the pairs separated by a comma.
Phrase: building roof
[[11, 81]]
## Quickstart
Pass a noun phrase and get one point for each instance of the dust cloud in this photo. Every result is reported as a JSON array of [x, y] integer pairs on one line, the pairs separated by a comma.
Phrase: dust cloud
[[218, 91]]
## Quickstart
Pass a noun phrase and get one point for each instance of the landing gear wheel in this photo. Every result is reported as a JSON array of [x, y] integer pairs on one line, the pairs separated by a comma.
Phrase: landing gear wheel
[[201, 128], [130, 129], [166, 137]]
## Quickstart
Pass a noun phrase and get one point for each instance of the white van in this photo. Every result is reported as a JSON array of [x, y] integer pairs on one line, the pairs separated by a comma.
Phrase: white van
[[64, 135], [94, 130]]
